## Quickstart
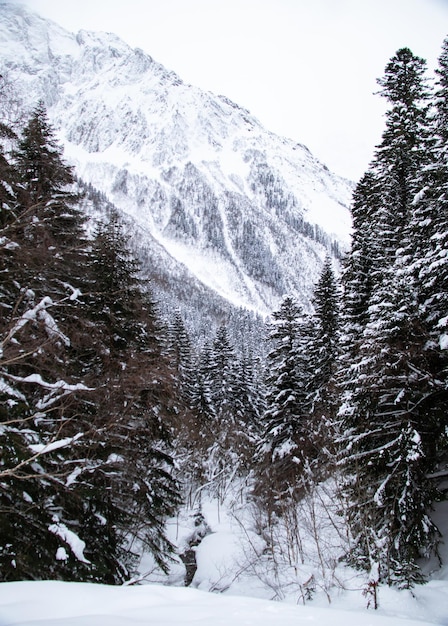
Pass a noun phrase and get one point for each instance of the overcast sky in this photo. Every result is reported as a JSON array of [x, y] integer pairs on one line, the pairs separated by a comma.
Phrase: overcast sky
[[306, 69]]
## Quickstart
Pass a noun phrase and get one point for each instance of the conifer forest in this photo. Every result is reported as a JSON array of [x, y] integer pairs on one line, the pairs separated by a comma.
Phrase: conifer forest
[[116, 412]]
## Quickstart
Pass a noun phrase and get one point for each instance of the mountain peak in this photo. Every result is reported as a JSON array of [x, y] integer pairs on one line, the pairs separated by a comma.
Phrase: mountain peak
[[251, 215], [28, 39]]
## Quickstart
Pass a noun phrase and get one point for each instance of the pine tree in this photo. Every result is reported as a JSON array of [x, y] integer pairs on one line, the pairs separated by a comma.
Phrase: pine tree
[[202, 402], [201, 422], [223, 374], [429, 227], [286, 441], [8, 177], [43, 391], [180, 355], [359, 265], [325, 335], [224, 393], [385, 420], [435, 267], [427, 262], [403, 151], [322, 349], [134, 401], [39, 159], [47, 216]]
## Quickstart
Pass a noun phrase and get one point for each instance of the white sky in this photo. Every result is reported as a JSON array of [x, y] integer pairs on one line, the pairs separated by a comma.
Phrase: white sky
[[306, 69]]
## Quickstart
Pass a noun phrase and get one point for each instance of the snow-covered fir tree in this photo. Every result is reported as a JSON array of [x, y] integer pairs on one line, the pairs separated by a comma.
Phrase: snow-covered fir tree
[[385, 419], [43, 254], [286, 442], [324, 340]]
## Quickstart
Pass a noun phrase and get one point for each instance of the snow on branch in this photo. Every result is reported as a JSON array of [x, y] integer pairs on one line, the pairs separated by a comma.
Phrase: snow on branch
[[38, 450], [57, 390], [44, 448], [76, 544], [59, 385], [10, 391], [76, 293], [7, 244], [38, 312], [52, 328]]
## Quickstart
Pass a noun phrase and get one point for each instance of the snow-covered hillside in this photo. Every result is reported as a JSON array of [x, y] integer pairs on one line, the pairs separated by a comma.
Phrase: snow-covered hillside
[[248, 214]]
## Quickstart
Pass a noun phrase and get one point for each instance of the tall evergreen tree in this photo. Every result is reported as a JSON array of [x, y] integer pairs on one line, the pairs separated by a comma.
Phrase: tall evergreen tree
[[429, 226], [286, 441], [202, 419], [180, 355], [223, 374], [43, 391], [134, 402], [359, 265], [325, 334], [426, 261], [225, 397], [39, 159], [385, 420], [8, 177], [322, 349], [201, 401], [434, 271]]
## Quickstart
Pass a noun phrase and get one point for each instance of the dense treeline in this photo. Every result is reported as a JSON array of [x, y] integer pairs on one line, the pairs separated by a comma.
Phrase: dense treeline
[[111, 417]]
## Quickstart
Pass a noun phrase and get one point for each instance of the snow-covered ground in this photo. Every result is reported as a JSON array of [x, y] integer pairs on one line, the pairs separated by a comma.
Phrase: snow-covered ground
[[79, 604], [239, 581]]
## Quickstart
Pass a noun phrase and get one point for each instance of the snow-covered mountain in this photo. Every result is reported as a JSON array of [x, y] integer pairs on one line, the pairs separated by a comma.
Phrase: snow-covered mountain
[[217, 202]]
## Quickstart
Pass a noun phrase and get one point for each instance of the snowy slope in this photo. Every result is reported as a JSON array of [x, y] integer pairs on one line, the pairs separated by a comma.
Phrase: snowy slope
[[250, 214]]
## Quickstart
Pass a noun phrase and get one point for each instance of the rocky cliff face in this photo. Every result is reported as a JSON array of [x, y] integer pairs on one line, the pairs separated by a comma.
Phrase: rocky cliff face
[[213, 196]]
